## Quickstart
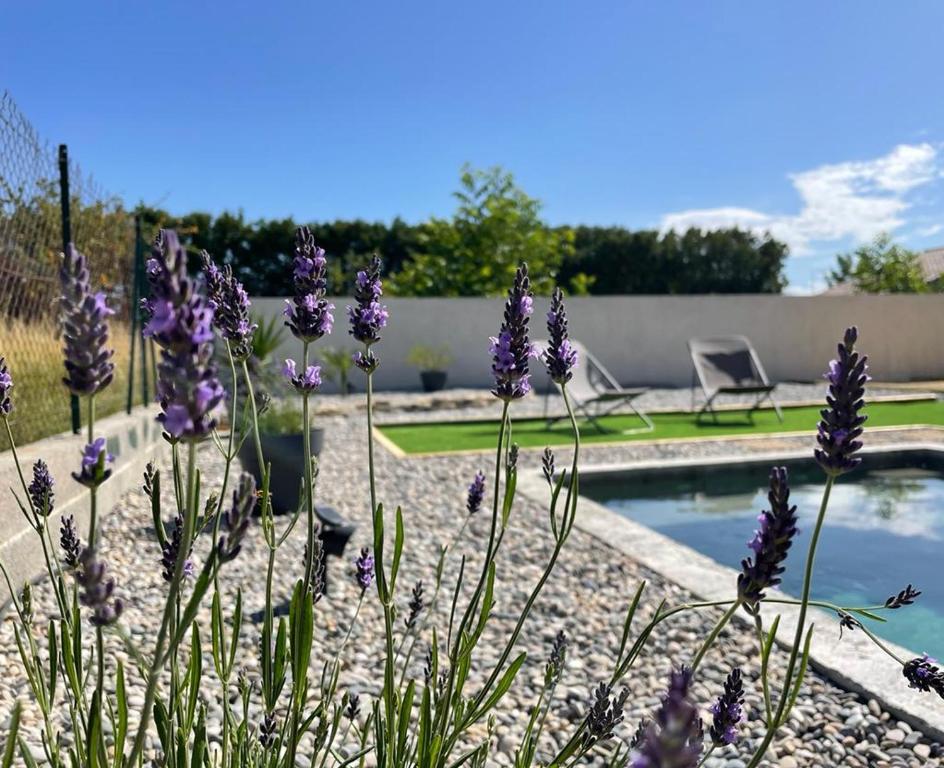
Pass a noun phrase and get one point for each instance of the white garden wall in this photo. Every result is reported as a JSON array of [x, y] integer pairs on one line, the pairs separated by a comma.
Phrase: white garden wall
[[642, 339]]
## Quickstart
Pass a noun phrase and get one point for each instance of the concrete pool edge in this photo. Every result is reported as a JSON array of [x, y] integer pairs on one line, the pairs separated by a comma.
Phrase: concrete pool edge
[[855, 664]]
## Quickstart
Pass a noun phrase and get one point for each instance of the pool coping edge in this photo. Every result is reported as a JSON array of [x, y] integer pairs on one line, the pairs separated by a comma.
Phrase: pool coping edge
[[856, 664]]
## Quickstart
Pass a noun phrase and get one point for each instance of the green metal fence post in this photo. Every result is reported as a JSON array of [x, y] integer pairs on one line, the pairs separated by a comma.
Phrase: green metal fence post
[[66, 239], [135, 299], [140, 251]]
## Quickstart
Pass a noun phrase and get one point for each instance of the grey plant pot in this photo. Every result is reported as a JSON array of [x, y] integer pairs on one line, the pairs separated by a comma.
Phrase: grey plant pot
[[433, 381], [286, 456]]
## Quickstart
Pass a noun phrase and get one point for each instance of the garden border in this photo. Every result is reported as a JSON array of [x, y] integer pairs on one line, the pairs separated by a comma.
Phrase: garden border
[[133, 439], [856, 665]]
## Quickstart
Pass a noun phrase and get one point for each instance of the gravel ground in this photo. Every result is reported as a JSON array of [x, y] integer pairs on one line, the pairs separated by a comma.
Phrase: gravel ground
[[591, 588]]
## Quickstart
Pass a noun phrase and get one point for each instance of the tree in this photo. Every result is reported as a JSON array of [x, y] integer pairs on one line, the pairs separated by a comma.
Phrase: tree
[[475, 253], [620, 261], [880, 267]]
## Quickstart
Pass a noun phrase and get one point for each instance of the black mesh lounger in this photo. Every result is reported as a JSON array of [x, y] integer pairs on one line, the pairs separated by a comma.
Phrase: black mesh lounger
[[728, 365]]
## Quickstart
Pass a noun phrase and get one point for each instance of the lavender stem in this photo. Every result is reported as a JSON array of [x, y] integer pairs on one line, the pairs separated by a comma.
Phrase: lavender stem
[[801, 626]]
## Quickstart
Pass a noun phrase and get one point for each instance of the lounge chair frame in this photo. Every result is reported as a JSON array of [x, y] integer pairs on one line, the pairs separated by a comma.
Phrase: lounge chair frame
[[759, 384], [595, 393]]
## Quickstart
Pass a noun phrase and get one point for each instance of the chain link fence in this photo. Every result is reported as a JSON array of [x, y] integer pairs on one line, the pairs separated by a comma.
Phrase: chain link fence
[[45, 201]]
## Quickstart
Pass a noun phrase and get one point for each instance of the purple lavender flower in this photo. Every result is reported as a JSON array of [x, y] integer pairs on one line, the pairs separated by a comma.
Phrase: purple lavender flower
[[674, 738], [170, 552], [69, 541], [84, 328], [364, 569], [6, 384], [924, 674], [308, 314], [605, 714], [560, 357], [230, 304], [771, 543], [367, 316], [366, 361], [318, 581], [235, 520], [841, 423], [726, 711], [94, 468], [547, 465], [556, 661], [476, 493], [40, 489], [180, 323], [304, 383], [97, 589], [907, 596], [511, 349], [415, 605], [267, 730]]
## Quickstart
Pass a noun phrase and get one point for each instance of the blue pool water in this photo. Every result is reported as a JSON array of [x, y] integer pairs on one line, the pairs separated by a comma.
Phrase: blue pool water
[[884, 528]]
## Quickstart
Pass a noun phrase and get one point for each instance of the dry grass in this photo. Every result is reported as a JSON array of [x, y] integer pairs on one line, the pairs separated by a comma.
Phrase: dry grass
[[40, 400]]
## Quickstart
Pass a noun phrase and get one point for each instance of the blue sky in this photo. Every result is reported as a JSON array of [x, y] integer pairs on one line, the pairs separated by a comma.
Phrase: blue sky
[[822, 122]]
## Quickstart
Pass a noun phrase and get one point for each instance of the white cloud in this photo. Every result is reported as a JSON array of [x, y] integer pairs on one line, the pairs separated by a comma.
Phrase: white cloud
[[853, 199]]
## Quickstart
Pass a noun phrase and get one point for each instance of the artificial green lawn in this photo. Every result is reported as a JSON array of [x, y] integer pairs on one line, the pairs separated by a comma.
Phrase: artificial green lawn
[[471, 435]]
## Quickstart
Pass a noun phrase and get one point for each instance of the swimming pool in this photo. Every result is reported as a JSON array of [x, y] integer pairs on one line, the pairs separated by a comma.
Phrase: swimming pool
[[884, 528]]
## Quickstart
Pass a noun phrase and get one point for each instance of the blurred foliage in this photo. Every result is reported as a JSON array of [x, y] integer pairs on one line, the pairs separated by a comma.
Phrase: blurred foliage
[[495, 226], [476, 252], [430, 358], [880, 267], [336, 364]]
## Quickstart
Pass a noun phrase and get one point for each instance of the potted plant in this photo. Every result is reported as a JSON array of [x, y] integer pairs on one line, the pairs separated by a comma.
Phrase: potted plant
[[280, 431], [432, 362], [336, 363]]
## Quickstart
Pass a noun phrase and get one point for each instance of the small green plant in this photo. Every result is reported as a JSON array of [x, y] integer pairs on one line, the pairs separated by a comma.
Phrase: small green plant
[[336, 365], [281, 417], [267, 338], [430, 358]]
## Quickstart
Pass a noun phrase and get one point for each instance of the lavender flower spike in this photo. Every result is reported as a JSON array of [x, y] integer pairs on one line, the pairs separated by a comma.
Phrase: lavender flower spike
[[560, 357], [94, 468], [674, 738], [180, 323], [69, 541], [170, 552], [841, 423], [476, 493], [364, 567], [230, 304], [511, 349], [6, 384], [308, 314], [40, 489], [771, 543], [924, 674], [97, 589], [726, 711], [304, 383], [84, 328], [235, 520], [367, 316]]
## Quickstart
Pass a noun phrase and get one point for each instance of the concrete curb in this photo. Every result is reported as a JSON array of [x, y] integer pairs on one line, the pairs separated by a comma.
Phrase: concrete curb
[[133, 439], [856, 664]]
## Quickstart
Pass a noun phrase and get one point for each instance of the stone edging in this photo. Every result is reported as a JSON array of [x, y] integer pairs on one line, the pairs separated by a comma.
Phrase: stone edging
[[856, 664], [133, 439]]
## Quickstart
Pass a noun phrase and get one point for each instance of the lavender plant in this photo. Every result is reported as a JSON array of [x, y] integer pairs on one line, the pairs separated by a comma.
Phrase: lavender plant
[[294, 712]]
